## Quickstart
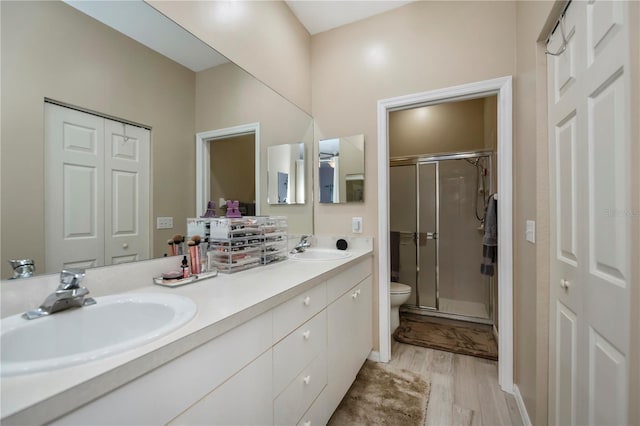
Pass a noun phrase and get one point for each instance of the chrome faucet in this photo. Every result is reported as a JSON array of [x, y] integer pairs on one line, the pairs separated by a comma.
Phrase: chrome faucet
[[22, 268], [302, 245], [68, 295]]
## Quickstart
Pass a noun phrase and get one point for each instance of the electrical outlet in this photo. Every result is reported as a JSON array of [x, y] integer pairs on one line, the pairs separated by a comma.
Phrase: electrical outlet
[[164, 222], [356, 225]]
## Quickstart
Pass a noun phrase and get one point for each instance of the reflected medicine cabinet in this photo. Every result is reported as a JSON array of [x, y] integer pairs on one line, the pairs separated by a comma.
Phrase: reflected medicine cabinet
[[286, 174]]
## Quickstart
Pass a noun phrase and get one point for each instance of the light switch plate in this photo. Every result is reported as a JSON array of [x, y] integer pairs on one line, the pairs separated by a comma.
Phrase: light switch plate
[[164, 222], [530, 231], [356, 225]]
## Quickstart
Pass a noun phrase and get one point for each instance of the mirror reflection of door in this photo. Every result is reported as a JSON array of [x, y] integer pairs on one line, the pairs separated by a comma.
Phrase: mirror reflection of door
[[283, 183], [232, 163], [326, 173], [97, 190]]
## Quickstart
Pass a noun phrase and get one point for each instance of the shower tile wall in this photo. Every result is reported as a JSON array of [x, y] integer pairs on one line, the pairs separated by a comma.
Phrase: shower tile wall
[[460, 252]]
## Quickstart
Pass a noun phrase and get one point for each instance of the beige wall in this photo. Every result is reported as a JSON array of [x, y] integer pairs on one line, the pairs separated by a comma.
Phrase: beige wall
[[233, 180], [51, 50], [227, 96], [263, 37], [531, 203], [448, 127], [491, 122], [411, 49]]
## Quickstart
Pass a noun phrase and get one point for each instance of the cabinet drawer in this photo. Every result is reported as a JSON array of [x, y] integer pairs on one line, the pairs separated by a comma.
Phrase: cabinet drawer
[[296, 350], [180, 382], [290, 406], [227, 405], [291, 314], [342, 282], [319, 413]]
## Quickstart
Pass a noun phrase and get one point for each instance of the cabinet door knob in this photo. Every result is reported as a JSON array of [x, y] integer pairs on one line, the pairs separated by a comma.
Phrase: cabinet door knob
[[565, 284], [306, 380], [355, 294], [306, 335], [125, 246], [307, 300], [307, 423]]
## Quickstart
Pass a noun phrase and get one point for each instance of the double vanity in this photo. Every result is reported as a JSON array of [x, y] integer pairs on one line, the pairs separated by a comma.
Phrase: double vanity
[[279, 344]]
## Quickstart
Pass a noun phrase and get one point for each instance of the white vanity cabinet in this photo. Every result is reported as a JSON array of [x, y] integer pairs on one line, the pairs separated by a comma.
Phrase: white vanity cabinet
[[244, 399], [349, 338], [166, 392], [290, 365]]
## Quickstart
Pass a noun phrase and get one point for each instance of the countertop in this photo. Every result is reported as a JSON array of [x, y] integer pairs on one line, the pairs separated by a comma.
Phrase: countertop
[[223, 303]]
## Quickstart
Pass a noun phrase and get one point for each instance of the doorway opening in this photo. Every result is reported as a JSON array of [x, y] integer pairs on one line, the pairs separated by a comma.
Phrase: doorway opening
[[502, 88], [231, 142]]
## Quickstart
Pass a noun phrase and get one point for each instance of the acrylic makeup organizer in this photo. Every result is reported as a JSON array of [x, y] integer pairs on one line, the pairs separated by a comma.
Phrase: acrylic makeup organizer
[[274, 243], [236, 244]]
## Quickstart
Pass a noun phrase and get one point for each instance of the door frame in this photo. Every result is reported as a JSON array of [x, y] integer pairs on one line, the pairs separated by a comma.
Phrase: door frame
[[502, 87], [203, 161]]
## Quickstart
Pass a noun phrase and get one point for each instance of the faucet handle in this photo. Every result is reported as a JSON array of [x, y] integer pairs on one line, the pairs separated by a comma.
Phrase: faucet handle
[[71, 278]]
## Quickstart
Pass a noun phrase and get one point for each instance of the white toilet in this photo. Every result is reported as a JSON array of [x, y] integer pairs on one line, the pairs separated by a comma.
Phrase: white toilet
[[399, 294]]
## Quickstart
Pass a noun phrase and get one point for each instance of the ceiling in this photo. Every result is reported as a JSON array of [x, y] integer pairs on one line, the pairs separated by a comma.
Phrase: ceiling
[[322, 15]]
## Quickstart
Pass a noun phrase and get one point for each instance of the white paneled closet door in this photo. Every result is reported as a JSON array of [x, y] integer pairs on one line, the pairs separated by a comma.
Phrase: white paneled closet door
[[96, 190], [589, 146], [73, 199], [126, 192]]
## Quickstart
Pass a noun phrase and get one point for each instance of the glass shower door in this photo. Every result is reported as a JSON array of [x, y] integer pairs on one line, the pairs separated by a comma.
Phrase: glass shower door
[[427, 235], [402, 221]]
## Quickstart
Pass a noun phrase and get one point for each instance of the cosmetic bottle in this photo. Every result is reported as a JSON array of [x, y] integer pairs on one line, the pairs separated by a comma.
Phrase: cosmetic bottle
[[185, 267]]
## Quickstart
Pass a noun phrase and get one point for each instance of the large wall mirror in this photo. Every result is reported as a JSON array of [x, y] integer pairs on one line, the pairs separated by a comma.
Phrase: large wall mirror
[[341, 169], [286, 174], [52, 50]]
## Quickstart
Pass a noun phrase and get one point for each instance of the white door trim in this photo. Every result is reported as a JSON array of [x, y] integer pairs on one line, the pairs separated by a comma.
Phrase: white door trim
[[502, 87], [203, 166]]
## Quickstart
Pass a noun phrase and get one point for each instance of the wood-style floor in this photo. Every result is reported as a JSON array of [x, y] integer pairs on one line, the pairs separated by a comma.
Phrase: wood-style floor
[[464, 389]]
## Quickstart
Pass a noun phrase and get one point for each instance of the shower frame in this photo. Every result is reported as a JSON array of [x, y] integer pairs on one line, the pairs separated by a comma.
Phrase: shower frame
[[417, 160]]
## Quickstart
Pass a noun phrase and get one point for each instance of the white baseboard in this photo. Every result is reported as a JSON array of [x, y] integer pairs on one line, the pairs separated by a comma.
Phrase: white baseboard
[[526, 421], [374, 356]]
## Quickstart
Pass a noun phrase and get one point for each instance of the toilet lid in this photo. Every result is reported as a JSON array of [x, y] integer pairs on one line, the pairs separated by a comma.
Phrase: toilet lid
[[400, 288]]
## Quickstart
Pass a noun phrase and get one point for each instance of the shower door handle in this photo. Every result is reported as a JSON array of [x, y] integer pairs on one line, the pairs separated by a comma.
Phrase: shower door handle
[[432, 235]]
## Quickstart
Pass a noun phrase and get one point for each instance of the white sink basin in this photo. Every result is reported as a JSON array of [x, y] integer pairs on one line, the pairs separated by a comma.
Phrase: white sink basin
[[115, 324], [320, 254]]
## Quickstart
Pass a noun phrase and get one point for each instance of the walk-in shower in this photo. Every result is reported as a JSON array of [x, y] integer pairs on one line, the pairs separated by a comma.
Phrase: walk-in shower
[[436, 215]]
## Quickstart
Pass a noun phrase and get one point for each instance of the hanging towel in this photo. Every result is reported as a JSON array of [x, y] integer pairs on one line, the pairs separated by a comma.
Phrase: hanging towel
[[394, 246], [490, 238]]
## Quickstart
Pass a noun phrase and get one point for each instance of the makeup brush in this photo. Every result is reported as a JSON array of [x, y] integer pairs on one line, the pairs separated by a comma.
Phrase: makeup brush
[[193, 256], [177, 242], [172, 249], [196, 241]]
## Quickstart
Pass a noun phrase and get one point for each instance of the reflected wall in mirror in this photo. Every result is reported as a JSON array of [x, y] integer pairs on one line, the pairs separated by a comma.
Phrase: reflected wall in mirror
[[286, 174], [341, 169], [107, 72]]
